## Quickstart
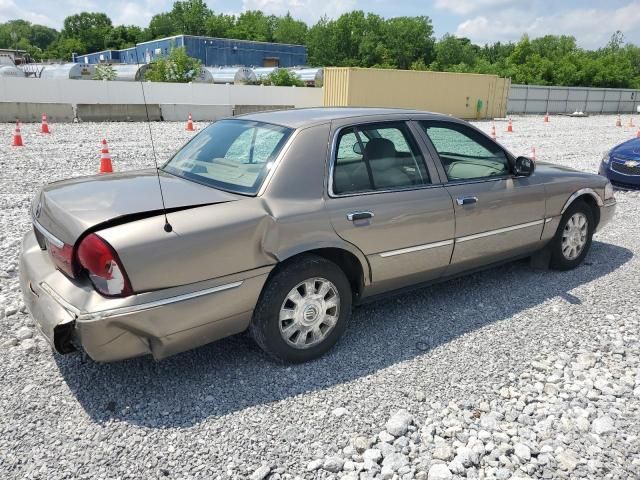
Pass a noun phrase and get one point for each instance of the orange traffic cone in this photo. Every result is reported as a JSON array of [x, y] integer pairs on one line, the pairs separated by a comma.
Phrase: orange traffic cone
[[618, 121], [190, 124], [17, 136], [546, 117], [533, 153], [510, 126], [105, 159], [45, 126], [493, 131]]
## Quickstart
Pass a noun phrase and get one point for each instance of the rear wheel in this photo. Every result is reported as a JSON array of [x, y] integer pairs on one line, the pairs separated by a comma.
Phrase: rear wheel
[[303, 310], [572, 241]]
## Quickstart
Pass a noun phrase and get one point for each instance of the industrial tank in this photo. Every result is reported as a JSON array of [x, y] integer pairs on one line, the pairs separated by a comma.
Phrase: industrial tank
[[11, 71], [129, 72], [204, 76], [234, 75], [74, 71], [312, 77], [262, 73]]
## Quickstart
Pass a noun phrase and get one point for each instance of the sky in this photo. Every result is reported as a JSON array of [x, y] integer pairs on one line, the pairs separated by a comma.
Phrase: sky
[[483, 21]]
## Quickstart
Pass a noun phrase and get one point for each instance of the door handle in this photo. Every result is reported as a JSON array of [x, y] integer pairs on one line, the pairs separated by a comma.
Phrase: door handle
[[466, 200], [353, 216]]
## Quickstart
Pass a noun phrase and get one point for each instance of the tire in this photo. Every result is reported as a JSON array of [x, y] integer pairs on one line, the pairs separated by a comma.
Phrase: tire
[[317, 331], [571, 253]]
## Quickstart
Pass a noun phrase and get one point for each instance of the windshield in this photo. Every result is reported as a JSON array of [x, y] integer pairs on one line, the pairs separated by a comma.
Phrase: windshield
[[233, 155]]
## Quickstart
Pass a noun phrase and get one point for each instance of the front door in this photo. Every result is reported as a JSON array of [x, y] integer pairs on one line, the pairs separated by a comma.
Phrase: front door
[[497, 215], [382, 200]]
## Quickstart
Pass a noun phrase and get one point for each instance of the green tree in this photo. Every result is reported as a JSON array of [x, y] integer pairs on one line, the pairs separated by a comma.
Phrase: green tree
[[408, 39], [123, 36], [283, 78], [289, 30], [177, 67], [451, 51], [162, 25], [91, 29], [220, 25], [62, 49], [190, 17], [253, 25]]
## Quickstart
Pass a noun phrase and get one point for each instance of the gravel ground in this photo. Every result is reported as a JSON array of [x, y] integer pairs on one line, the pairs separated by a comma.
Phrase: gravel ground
[[509, 373]]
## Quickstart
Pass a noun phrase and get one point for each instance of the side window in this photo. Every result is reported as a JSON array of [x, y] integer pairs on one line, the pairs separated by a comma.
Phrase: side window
[[377, 157], [464, 153]]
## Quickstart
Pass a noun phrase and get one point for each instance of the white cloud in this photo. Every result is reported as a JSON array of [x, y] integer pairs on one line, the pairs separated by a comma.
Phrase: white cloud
[[138, 13], [9, 10], [465, 7], [592, 27], [308, 10]]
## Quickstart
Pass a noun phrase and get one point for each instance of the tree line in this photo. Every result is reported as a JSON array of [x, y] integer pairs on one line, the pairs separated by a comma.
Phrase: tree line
[[356, 39]]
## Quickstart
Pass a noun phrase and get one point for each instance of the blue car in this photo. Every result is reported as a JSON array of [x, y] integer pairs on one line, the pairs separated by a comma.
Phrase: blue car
[[621, 164]]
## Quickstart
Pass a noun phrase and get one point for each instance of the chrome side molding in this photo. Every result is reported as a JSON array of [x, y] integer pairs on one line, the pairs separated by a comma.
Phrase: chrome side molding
[[417, 248], [114, 312], [582, 191], [499, 230]]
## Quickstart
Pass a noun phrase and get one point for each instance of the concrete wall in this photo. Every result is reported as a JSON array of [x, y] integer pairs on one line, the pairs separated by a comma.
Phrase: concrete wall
[[32, 112], [538, 99], [37, 90], [114, 112], [28, 98], [453, 93], [178, 112]]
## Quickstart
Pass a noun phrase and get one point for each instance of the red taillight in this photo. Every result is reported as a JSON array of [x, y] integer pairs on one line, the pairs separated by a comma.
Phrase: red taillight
[[103, 267], [62, 257]]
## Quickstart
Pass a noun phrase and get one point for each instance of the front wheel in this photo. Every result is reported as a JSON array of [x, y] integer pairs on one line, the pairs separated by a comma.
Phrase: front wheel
[[572, 241], [303, 310]]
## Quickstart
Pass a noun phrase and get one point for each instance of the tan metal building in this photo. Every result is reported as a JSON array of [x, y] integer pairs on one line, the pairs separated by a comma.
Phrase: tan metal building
[[463, 95]]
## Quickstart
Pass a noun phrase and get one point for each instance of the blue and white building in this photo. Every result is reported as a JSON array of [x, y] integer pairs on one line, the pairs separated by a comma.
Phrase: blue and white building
[[212, 52]]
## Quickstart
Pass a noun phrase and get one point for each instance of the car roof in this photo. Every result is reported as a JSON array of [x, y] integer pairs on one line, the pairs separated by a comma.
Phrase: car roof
[[304, 117]]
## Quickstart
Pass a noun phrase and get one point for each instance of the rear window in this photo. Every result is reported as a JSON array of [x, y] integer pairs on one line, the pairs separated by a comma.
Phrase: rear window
[[233, 155]]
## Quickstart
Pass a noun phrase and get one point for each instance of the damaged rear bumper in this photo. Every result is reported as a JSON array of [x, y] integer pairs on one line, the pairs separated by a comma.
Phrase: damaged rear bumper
[[160, 323]]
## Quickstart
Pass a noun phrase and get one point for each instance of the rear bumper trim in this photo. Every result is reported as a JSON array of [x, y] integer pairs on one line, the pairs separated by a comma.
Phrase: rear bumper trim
[[115, 312], [48, 235]]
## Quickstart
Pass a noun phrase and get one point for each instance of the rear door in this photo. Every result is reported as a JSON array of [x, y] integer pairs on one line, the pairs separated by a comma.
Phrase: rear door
[[384, 199], [497, 215]]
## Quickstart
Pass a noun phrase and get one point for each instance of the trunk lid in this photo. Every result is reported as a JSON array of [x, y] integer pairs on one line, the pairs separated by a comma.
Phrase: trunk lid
[[70, 207]]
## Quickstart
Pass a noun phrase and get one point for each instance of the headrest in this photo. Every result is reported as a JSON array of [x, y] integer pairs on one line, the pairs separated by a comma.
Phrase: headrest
[[378, 148]]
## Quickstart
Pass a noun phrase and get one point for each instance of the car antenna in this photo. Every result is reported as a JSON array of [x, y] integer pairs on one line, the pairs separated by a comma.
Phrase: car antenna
[[167, 226]]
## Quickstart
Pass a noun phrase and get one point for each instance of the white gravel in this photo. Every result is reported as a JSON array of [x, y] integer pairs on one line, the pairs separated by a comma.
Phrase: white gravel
[[509, 373]]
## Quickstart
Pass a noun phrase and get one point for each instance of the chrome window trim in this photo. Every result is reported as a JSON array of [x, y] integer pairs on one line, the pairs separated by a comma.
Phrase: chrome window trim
[[417, 248], [499, 231], [332, 162], [115, 312], [582, 191], [49, 236]]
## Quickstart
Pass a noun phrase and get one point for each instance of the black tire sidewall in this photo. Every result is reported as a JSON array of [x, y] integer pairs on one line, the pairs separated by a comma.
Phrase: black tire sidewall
[[264, 325], [558, 260]]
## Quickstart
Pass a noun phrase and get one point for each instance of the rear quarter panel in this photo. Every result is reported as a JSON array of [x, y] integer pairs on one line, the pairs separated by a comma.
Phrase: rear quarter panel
[[206, 242]]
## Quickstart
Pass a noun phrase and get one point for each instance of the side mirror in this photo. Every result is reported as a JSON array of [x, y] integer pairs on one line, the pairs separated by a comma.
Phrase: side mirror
[[356, 148], [524, 167]]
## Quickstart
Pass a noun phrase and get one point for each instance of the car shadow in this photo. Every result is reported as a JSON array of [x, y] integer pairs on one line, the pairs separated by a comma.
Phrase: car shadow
[[233, 374]]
